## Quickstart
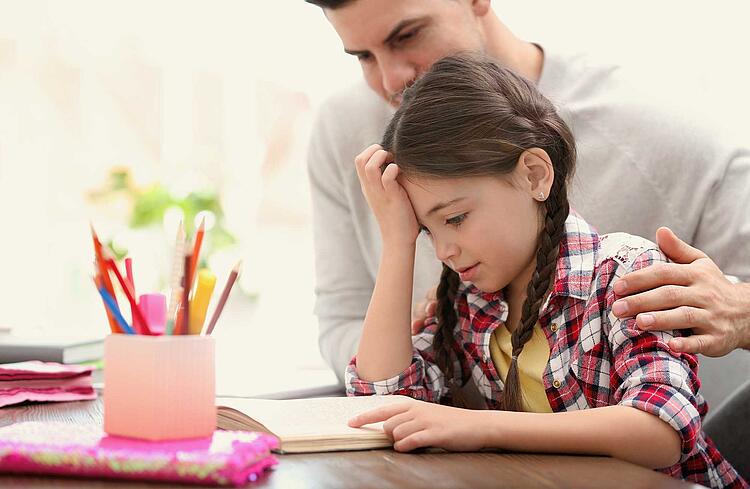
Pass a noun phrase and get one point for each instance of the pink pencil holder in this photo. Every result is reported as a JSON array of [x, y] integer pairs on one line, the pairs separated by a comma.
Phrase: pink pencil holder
[[159, 387]]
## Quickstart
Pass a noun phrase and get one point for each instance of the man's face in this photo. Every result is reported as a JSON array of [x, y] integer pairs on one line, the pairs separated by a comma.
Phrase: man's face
[[397, 41]]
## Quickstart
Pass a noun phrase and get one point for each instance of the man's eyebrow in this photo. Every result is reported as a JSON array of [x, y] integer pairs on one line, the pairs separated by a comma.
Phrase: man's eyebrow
[[443, 205], [393, 34]]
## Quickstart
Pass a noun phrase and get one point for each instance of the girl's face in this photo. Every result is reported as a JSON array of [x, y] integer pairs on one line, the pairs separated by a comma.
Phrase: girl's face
[[484, 228]]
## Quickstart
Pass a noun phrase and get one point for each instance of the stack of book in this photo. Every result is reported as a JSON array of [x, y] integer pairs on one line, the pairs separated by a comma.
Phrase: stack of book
[[40, 381], [68, 348]]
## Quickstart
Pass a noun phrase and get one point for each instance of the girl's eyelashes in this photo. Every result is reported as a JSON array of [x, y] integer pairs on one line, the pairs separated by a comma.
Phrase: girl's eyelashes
[[457, 220]]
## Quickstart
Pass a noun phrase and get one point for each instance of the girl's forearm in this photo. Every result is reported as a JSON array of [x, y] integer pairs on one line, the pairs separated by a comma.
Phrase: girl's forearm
[[385, 348], [622, 432]]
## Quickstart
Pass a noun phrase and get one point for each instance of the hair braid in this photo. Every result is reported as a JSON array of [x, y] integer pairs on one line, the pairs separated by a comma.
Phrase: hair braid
[[555, 212], [447, 320]]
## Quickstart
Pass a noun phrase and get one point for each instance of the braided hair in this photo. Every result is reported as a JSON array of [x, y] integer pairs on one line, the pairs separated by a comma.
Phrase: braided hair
[[469, 117]]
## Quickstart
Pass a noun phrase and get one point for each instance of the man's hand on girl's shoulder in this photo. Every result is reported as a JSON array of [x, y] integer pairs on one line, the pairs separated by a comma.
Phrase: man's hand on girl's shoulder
[[690, 293]]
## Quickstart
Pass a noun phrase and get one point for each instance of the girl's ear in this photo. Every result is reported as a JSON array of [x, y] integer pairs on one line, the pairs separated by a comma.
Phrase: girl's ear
[[536, 172]]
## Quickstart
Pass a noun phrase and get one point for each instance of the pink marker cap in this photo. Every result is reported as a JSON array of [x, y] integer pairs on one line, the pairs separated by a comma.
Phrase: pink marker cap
[[154, 309]]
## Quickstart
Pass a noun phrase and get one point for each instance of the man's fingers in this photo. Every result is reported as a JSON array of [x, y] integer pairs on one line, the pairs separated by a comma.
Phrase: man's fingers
[[677, 318], [693, 344], [660, 299], [377, 415], [652, 277], [676, 250]]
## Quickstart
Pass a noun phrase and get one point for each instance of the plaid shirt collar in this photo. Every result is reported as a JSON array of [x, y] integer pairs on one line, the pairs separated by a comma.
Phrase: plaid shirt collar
[[575, 266]]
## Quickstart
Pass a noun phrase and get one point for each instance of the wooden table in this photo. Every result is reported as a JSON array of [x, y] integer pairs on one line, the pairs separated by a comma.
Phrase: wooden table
[[378, 468]]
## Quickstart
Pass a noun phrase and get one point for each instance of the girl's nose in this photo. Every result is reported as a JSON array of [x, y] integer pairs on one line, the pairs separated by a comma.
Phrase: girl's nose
[[446, 251]]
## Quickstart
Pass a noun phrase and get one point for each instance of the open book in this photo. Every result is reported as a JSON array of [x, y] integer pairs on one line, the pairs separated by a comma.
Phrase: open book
[[308, 425]]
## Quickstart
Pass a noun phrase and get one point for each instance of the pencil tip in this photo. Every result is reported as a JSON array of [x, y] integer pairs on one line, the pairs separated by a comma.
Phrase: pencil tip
[[237, 267]]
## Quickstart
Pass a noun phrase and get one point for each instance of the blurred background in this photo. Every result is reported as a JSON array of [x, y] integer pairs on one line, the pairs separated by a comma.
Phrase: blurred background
[[135, 115]]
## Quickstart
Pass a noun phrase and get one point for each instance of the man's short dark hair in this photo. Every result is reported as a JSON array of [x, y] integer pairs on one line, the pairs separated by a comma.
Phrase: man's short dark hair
[[329, 4]]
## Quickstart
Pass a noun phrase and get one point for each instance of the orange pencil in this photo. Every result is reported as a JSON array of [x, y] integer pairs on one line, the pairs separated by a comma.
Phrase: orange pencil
[[106, 282], [197, 250], [223, 299], [139, 322]]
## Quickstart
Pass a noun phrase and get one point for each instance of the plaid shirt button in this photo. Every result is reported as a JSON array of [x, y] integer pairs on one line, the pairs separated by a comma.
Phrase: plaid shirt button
[[556, 384], [554, 327]]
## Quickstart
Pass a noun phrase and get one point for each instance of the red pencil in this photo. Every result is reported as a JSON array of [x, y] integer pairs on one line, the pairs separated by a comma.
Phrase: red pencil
[[131, 279], [139, 322], [106, 282]]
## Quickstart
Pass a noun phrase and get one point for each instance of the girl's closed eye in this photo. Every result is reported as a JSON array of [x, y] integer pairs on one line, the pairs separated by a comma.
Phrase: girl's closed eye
[[423, 229], [457, 220]]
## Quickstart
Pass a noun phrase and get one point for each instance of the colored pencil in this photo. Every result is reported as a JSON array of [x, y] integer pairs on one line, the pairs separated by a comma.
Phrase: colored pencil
[[131, 280], [184, 314], [111, 304], [199, 303], [139, 322], [174, 282], [106, 282], [197, 250], [223, 299]]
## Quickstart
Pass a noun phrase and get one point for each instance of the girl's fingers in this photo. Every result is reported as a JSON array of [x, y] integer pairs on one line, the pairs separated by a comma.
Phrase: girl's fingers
[[361, 160], [372, 168], [406, 429], [378, 414], [413, 441], [395, 421], [389, 177]]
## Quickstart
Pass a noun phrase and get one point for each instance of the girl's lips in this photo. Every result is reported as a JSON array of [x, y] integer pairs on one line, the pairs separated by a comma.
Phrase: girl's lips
[[468, 273]]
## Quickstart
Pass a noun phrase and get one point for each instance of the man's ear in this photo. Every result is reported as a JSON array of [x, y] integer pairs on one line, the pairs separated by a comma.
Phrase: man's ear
[[536, 173], [480, 7]]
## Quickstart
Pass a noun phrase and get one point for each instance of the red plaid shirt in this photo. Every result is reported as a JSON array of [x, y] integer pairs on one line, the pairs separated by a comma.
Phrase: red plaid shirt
[[595, 359]]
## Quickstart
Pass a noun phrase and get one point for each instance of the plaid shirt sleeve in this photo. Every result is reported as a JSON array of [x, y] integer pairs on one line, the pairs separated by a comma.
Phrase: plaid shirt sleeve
[[422, 380], [648, 376]]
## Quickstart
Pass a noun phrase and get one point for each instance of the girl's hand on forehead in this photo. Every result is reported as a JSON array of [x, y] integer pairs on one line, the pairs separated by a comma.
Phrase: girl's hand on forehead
[[418, 424], [378, 177]]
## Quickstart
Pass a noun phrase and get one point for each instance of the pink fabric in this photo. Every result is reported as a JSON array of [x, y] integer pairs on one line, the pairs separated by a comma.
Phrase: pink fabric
[[228, 458]]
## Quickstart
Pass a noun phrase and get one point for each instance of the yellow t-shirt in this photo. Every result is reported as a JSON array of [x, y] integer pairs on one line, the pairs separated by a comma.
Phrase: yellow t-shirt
[[531, 365]]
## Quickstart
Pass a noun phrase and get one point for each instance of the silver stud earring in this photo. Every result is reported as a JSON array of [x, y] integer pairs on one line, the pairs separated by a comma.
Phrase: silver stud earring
[[541, 196]]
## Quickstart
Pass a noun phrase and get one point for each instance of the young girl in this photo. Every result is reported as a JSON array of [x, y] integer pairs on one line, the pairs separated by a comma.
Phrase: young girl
[[479, 160]]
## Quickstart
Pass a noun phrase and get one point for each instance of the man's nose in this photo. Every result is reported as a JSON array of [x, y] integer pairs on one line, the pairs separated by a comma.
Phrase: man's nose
[[397, 75]]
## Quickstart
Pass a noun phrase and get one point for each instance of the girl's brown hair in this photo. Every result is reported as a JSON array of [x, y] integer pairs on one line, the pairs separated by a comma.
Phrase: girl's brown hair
[[469, 117]]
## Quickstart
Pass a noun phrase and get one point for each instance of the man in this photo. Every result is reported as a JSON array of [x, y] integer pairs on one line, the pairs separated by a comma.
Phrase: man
[[640, 165]]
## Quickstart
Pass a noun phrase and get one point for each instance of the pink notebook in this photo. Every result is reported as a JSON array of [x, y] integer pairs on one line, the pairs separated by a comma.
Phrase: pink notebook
[[44, 381], [228, 458]]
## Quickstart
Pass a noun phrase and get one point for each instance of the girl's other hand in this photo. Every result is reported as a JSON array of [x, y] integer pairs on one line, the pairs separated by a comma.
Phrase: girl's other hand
[[420, 424], [386, 197]]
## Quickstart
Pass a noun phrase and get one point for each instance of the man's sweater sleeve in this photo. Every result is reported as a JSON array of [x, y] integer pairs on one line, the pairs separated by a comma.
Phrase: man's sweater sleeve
[[343, 285]]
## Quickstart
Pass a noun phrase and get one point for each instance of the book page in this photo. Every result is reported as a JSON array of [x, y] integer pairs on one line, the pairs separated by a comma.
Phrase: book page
[[325, 416]]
